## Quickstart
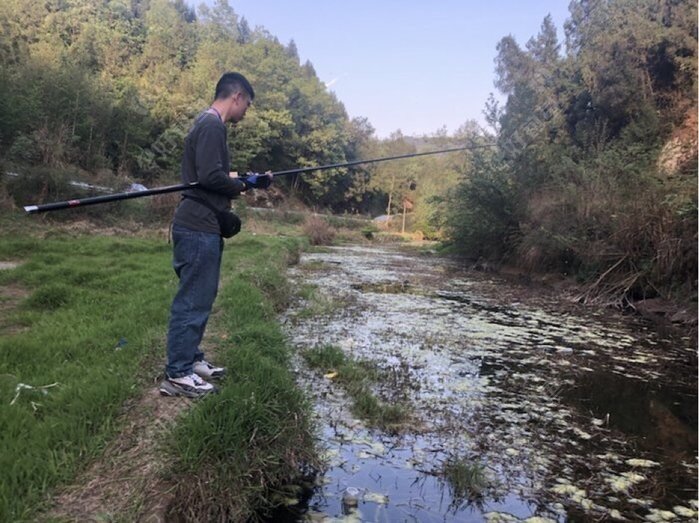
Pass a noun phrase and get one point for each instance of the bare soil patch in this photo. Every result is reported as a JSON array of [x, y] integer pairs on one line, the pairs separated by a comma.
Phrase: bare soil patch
[[6, 265]]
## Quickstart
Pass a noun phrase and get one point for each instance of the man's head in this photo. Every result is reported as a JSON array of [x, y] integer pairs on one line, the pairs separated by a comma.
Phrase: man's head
[[234, 94]]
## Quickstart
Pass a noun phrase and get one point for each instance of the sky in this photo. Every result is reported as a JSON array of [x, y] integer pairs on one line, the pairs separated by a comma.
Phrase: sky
[[411, 65]]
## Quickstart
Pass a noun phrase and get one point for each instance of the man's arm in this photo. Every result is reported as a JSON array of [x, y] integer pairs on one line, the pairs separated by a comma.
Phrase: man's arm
[[210, 147]]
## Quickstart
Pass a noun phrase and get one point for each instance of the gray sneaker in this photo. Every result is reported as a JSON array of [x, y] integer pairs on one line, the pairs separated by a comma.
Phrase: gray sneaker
[[191, 386], [207, 371]]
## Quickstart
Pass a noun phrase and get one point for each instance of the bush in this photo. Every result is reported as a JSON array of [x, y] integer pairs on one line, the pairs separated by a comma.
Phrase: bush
[[369, 231], [318, 230], [481, 221]]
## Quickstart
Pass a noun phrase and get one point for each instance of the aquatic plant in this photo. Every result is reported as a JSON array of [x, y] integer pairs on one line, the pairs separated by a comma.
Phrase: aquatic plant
[[466, 478]]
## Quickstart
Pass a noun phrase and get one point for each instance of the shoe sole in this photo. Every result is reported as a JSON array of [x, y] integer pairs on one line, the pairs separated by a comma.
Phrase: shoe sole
[[169, 389]]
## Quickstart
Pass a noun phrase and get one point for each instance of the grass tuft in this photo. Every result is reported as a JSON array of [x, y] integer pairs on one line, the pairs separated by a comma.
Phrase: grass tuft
[[49, 297], [466, 479]]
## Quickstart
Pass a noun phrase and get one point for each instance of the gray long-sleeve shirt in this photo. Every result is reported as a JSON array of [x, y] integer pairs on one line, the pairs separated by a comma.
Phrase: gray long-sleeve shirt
[[206, 160]]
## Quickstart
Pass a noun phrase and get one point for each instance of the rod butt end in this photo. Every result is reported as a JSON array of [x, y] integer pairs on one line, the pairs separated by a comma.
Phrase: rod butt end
[[31, 209]]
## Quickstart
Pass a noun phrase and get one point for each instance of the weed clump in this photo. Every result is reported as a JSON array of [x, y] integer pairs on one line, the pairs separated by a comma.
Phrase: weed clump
[[318, 230], [49, 297], [466, 479]]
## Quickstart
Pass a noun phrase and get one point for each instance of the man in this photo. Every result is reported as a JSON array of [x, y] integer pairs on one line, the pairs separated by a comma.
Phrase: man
[[196, 235]]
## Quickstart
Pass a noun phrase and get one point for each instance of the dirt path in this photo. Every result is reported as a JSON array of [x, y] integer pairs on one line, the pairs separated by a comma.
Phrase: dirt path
[[127, 483]]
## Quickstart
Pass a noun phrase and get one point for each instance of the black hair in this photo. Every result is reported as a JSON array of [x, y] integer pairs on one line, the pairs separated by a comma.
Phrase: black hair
[[232, 83]]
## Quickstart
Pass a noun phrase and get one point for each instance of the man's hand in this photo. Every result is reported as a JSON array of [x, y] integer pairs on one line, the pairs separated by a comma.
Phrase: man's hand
[[258, 181]]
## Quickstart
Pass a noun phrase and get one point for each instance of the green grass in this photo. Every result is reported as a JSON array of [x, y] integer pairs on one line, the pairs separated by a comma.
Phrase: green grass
[[357, 377], [243, 446], [86, 294], [466, 479]]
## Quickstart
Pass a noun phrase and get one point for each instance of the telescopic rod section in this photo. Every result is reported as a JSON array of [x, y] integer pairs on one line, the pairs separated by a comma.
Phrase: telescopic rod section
[[69, 204]]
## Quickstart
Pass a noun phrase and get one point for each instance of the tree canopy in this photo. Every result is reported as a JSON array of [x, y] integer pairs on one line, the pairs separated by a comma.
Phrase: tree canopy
[[114, 85], [596, 169]]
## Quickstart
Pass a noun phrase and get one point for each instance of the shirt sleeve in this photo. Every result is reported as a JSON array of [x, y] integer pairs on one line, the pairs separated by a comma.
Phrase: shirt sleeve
[[209, 160]]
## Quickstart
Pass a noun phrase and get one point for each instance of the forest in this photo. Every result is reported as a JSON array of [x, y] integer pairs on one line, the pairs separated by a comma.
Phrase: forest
[[594, 174]]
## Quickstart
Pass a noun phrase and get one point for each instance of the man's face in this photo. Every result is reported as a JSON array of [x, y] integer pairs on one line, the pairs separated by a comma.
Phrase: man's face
[[239, 105]]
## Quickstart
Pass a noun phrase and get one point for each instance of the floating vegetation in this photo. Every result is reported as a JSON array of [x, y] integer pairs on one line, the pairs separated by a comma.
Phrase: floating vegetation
[[375, 497], [558, 401], [624, 481], [499, 517], [390, 287], [645, 463], [573, 493], [357, 377], [658, 515], [685, 512]]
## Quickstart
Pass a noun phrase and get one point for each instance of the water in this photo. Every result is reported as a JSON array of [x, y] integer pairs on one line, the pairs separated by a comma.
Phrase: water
[[570, 414]]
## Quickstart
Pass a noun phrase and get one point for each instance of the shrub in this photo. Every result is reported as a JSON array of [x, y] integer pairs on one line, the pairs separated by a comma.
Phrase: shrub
[[318, 230], [369, 231]]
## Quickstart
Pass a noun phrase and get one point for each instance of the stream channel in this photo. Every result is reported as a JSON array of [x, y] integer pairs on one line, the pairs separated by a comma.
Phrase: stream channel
[[561, 412]]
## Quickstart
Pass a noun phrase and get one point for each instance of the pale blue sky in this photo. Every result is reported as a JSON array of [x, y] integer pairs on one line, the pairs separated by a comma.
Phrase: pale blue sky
[[409, 65]]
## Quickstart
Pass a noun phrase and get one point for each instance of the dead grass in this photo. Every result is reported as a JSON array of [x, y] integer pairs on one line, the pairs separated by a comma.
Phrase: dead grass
[[318, 230], [6, 201]]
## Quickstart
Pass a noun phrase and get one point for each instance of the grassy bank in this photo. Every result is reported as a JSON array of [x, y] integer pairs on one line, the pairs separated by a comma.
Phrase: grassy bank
[[83, 319], [84, 315]]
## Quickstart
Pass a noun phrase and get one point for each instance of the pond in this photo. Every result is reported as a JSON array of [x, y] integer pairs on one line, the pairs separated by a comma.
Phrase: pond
[[520, 405]]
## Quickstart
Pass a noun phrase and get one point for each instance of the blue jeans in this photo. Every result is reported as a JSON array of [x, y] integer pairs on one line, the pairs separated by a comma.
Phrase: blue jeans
[[197, 262]]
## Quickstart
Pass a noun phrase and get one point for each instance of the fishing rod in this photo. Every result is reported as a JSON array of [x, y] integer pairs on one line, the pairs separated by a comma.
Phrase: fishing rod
[[69, 204]]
